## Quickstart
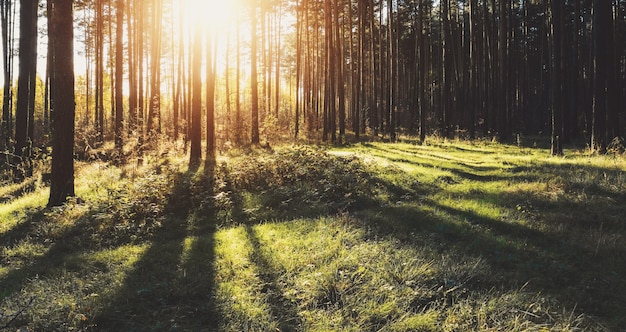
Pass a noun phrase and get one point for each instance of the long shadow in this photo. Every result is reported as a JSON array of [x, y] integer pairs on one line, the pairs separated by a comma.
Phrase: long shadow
[[27, 186], [546, 264], [20, 231], [59, 245], [171, 286], [281, 309], [573, 273], [432, 157], [429, 161], [61, 250], [56, 253], [521, 173]]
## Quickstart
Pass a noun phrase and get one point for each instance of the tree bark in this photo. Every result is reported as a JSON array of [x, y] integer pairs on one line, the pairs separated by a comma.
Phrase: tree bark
[[210, 98], [7, 20], [119, 76], [600, 25], [196, 98], [63, 101], [254, 125], [556, 10], [26, 76]]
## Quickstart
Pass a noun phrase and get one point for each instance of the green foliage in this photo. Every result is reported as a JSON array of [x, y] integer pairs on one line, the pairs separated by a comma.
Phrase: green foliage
[[303, 177]]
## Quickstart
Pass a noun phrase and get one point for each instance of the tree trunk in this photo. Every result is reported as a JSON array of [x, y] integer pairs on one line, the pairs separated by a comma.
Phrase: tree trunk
[[27, 76], [602, 26], [556, 11], [99, 93], [254, 125], [7, 20], [238, 117], [196, 98], [119, 75], [61, 32], [210, 98], [391, 103], [132, 69], [340, 75], [154, 115]]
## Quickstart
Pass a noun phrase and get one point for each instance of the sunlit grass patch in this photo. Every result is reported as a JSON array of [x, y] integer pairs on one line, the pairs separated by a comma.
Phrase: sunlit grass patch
[[345, 281], [68, 293], [238, 288], [15, 210]]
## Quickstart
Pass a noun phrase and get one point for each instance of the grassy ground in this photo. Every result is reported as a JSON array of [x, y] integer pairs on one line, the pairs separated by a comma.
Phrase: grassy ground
[[371, 237]]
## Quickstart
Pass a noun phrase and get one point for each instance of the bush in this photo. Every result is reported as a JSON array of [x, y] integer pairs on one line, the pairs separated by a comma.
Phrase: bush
[[303, 177]]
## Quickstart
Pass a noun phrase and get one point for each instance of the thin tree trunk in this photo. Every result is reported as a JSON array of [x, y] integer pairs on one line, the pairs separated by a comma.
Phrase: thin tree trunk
[[119, 75], [254, 125], [196, 98], [211, 46], [556, 11], [7, 19]]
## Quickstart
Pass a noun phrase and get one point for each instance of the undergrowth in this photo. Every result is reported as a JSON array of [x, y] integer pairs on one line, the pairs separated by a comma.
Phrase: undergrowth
[[371, 237]]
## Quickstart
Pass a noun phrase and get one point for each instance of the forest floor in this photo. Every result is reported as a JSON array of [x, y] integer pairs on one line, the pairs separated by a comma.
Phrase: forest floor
[[445, 236]]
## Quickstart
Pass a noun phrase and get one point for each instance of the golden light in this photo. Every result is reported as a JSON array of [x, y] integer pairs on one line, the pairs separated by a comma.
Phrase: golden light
[[213, 14]]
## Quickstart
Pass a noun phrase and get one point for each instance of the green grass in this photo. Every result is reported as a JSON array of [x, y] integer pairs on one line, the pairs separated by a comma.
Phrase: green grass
[[445, 236]]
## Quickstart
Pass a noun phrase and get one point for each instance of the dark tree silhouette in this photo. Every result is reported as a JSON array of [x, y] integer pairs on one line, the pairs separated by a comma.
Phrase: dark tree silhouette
[[61, 34]]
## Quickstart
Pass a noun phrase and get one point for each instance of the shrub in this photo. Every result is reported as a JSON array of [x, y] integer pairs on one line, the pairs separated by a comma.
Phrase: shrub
[[302, 177]]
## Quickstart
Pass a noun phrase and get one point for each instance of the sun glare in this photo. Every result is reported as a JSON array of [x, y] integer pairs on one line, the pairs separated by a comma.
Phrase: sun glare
[[215, 14]]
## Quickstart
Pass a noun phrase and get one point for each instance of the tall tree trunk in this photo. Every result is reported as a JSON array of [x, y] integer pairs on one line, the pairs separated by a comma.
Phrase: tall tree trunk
[[227, 92], [446, 92], [391, 107], [299, 27], [27, 74], [422, 55], [472, 102], [7, 20], [602, 42], [373, 96], [99, 86], [132, 69], [238, 115], [503, 74], [340, 75], [329, 77], [254, 125], [196, 98], [556, 11], [141, 94], [61, 32], [119, 75], [278, 35], [211, 46], [154, 115]]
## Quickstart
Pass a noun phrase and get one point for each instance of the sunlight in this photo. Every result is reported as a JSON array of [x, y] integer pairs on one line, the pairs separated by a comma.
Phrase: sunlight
[[217, 14]]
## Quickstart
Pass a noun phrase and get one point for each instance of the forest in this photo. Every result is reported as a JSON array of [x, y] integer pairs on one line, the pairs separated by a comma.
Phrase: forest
[[313, 165]]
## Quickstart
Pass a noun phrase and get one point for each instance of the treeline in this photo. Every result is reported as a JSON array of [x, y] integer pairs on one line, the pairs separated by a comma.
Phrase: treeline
[[466, 68], [321, 69]]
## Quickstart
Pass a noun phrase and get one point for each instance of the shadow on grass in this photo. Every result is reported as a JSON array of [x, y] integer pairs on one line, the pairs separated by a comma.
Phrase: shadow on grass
[[25, 187], [518, 257], [23, 229], [171, 286], [536, 257], [282, 309]]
